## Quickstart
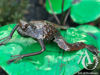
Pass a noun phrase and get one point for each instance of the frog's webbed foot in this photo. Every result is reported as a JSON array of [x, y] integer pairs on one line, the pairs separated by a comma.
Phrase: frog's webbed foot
[[81, 45], [15, 59], [4, 40], [75, 46], [92, 49]]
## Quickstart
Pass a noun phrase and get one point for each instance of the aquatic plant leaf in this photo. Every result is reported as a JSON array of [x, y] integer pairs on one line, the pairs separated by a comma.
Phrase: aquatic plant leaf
[[53, 61]]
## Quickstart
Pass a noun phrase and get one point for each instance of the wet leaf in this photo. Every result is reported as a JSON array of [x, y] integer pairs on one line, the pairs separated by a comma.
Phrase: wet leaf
[[53, 61], [85, 11]]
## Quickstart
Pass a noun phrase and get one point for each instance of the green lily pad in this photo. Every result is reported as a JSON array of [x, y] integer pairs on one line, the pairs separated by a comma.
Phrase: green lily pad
[[53, 61], [85, 11], [57, 6]]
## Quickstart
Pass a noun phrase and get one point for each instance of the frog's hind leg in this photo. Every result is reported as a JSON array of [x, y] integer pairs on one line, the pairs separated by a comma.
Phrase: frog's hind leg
[[6, 39], [75, 46], [62, 44]]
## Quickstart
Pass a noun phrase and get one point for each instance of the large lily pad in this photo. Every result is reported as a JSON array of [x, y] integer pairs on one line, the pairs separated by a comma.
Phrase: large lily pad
[[53, 61], [85, 11]]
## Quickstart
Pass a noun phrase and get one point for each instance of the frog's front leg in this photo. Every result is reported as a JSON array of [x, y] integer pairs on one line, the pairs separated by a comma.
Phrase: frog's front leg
[[6, 39], [75, 46], [18, 57]]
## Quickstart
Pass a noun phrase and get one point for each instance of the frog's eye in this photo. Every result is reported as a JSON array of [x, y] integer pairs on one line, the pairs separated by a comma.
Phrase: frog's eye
[[23, 24]]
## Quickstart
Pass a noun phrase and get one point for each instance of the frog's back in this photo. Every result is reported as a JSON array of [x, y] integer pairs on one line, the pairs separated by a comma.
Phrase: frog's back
[[44, 30], [39, 30]]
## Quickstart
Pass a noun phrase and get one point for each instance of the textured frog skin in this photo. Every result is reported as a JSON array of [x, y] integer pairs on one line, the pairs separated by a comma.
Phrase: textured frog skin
[[39, 30]]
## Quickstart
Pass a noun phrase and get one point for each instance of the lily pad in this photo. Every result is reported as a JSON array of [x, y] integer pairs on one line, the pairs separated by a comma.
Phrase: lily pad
[[53, 61], [85, 11]]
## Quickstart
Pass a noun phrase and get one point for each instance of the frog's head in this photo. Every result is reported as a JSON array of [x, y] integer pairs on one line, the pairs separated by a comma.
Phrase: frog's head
[[23, 24]]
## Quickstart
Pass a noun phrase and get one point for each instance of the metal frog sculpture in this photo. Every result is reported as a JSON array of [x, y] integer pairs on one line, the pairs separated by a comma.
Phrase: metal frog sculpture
[[44, 31]]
